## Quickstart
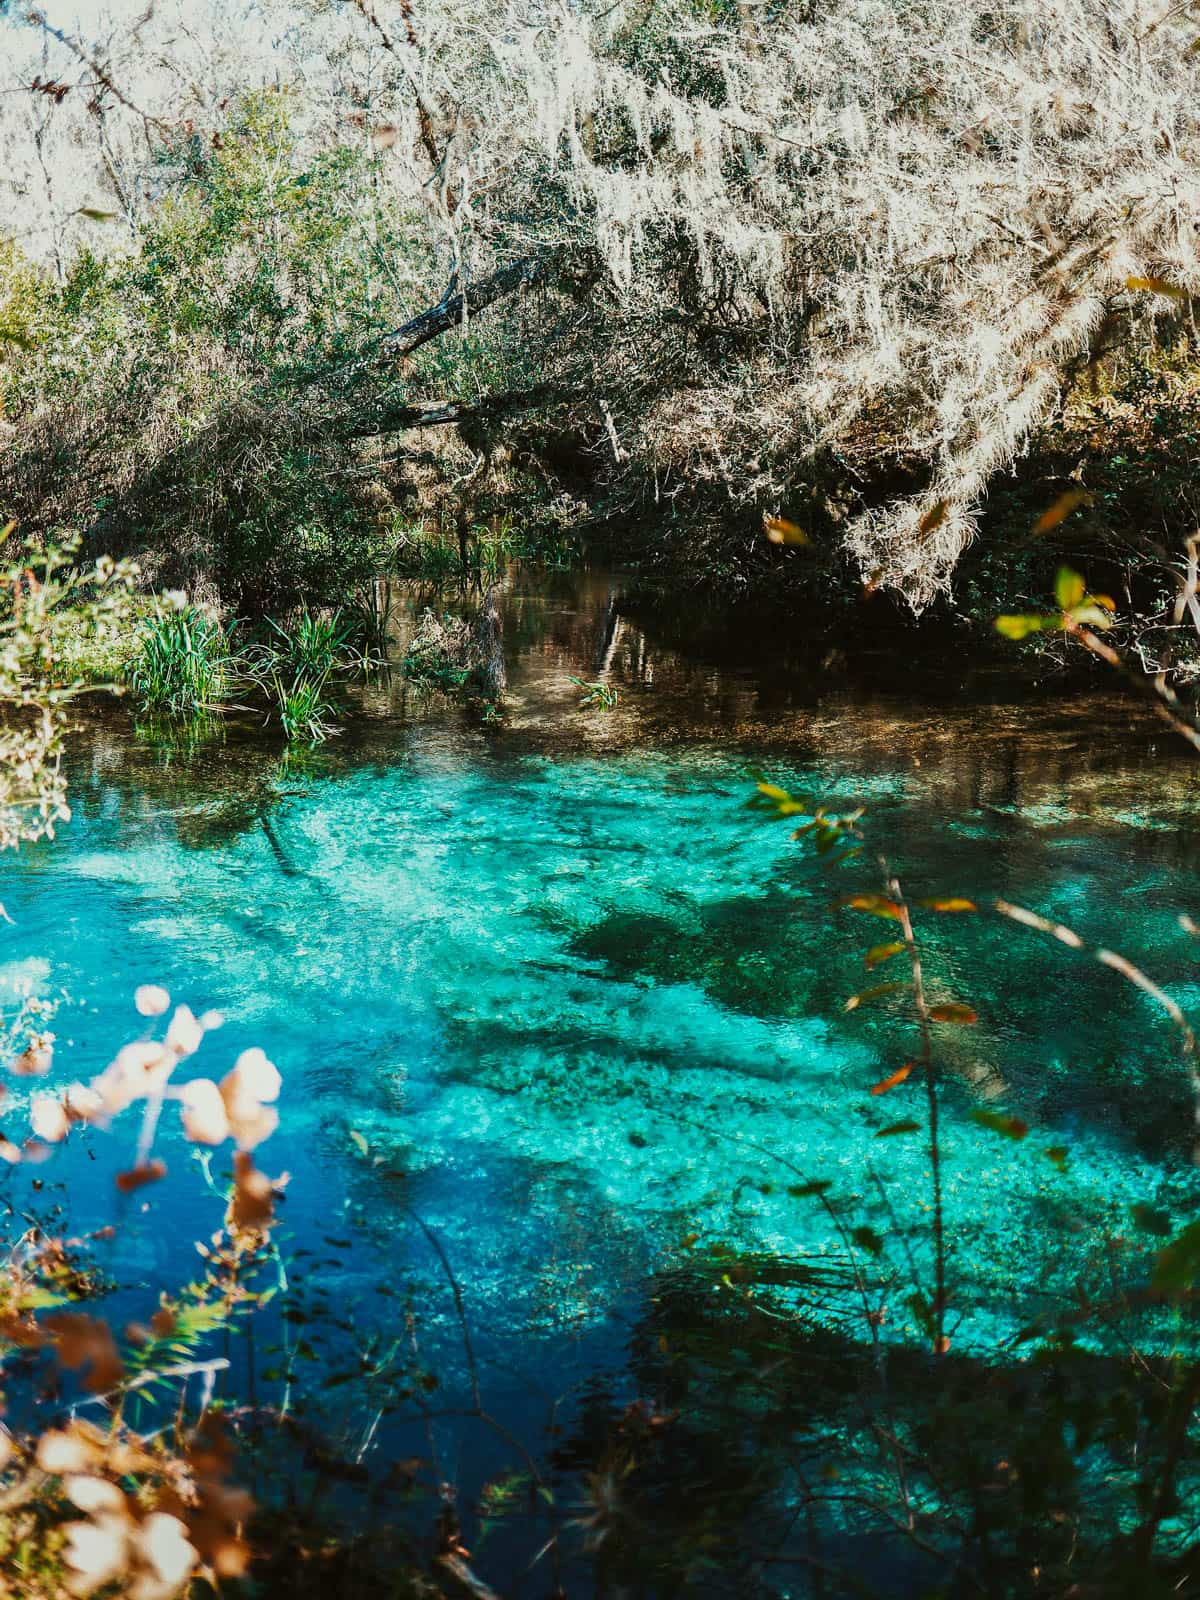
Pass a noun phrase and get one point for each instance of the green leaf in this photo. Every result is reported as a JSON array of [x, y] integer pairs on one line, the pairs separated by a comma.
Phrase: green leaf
[[879, 953], [1069, 589], [1010, 1127], [41, 1300], [877, 904], [921, 1310], [1094, 615], [874, 993], [778, 802], [1020, 627]]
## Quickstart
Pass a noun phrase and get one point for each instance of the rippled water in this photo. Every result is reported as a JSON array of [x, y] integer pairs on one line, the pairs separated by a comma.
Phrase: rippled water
[[585, 1013]]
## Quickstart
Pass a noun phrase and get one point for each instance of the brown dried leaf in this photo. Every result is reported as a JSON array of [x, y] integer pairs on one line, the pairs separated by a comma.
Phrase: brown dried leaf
[[138, 1177], [252, 1195], [952, 1011], [1061, 509], [86, 1342], [934, 517], [1156, 286], [893, 1078], [779, 530]]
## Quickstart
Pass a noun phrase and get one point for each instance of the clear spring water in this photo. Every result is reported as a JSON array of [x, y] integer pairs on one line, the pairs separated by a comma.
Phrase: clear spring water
[[576, 1002]]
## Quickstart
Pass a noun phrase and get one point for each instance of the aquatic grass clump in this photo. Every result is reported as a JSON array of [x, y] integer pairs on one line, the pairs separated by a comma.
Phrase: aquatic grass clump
[[183, 666], [597, 696], [303, 707], [296, 664], [480, 549], [314, 643]]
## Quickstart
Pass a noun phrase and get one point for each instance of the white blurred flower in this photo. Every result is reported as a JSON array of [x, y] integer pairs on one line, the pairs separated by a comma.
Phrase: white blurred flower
[[204, 1116], [186, 1032], [151, 999], [140, 1069], [95, 1553], [48, 1118], [253, 1080], [168, 1558], [92, 1494], [257, 1075], [82, 1103]]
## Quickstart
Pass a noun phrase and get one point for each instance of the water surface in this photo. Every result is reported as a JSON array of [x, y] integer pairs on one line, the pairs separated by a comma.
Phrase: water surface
[[552, 990]]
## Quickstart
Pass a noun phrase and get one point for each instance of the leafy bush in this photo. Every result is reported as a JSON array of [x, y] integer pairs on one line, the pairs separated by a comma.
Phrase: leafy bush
[[163, 401], [47, 603]]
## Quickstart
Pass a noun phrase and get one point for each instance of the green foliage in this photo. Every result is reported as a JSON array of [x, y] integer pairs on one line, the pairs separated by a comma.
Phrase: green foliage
[[438, 656], [597, 696], [187, 666], [167, 393], [183, 664], [48, 604], [312, 644], [1076, 608], [303, 706]]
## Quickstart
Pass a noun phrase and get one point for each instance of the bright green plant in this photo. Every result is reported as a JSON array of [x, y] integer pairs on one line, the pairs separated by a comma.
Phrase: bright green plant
[[303, 706], [183, 667], [597, 696], [314, 643]]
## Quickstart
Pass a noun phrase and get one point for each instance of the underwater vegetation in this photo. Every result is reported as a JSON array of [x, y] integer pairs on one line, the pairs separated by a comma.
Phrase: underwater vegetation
[[698, 1177]]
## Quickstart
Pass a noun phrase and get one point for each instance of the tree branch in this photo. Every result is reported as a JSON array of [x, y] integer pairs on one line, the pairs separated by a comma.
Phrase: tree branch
[[456, 306], [399, 419]]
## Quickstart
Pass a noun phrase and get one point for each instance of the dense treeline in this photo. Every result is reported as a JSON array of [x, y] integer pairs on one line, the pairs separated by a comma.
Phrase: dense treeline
[[295, 293], [682, 264]]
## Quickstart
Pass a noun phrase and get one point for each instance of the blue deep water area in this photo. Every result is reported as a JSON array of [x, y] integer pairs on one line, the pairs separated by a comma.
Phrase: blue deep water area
[[554, 991]]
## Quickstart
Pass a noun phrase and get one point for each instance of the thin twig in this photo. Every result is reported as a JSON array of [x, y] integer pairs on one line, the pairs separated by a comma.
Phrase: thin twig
[[1121, 964], [929, 1073]]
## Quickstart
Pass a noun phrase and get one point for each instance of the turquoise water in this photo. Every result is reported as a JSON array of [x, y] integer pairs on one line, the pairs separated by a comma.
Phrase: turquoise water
[[555, 992]]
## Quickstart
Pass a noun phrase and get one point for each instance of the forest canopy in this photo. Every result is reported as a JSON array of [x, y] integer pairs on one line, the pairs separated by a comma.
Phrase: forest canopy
[[840, 262]]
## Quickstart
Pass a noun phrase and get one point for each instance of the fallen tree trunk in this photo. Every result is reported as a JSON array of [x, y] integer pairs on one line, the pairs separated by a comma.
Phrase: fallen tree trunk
[[456, 306], [441, 413]]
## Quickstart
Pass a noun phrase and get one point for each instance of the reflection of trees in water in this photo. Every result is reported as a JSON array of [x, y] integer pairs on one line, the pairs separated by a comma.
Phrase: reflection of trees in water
[[758, 1445]]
